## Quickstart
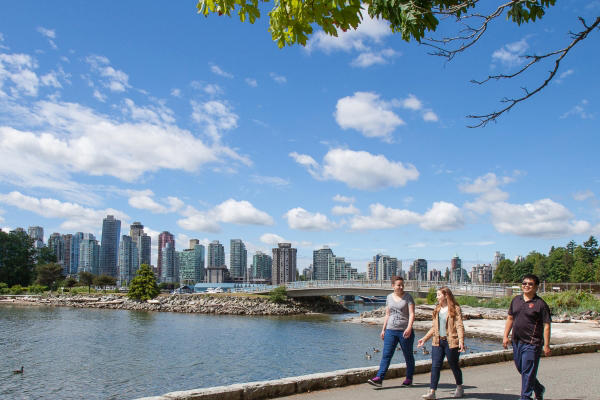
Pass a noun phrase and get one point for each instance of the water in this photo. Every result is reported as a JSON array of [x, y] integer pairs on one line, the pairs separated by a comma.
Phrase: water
[[73, 353]]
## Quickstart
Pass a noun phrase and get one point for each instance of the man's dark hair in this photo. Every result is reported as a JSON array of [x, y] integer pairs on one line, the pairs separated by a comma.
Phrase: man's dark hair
[[533, 277], [396, 278]]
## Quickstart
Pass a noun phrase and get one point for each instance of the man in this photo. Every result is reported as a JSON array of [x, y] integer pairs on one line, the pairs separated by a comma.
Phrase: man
[[529, 318]]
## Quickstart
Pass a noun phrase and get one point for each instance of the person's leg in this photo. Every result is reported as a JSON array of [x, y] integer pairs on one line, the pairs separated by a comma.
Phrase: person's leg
[[453, 356], [390, 341], [517, 355], [538, 388], [529, 369], [437, 360], [407, 350]]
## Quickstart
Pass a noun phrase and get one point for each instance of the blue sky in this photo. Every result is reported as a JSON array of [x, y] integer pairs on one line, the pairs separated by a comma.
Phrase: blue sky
[[204, 128]]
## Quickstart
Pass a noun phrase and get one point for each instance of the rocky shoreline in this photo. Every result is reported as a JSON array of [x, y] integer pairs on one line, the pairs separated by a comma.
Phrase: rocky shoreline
[[198, 304]]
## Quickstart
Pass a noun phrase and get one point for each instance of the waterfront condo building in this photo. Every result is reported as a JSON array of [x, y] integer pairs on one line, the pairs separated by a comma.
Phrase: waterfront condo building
[[170, 264], [262, 265], [238, 258], [497, 258], [37, 234], [418, 270], [216, 254], [109, 249], [68, 243], [284, 264], [128, 260], [56, 245], [326, 266], [163, 239], [191, 264], [89, 255], [145, 249]]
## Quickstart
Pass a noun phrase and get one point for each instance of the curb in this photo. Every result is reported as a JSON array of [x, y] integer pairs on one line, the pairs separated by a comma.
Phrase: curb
[[306, 383]]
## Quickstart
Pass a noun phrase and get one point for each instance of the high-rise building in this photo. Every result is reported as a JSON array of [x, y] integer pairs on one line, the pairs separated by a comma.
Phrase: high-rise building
[[193, 242], [383, 267], [109, 249], [326, 266], [135, 231], [497, 258], [67, 239], [170, 263], [419, 270], [216, 254], [163, 239], [481, 274], [56, 244], [37, 234], [145, 249], [238, 258], [457, 272], [191, 265], [89, 255], [128, 260], [75, 247], [284, 264], [262, 265]]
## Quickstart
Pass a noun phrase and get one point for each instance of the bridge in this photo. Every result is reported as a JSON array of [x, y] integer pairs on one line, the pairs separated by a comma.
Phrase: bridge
[[382, 288]]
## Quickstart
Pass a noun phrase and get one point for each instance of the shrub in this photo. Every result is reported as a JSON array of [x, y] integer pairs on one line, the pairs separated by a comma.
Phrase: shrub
[[419, 301], [36, 289], [278, 295], [471, 301], [17, 289], [4, 288], [431, 296]]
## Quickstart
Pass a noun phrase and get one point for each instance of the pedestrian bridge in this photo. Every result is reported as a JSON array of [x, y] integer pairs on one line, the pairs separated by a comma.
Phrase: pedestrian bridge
[[380, 288]]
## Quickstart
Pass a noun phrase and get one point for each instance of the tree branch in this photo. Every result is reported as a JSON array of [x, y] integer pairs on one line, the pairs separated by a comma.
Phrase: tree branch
[[577, 37]]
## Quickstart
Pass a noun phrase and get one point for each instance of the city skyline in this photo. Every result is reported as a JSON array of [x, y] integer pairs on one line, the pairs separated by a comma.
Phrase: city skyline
[[357, 142]]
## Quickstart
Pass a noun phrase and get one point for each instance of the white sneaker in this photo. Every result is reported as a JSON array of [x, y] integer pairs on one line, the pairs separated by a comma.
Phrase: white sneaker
[[459, 391], [430, 395]]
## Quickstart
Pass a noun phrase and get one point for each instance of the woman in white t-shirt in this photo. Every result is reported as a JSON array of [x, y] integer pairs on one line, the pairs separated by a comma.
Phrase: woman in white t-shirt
[[397, 329]]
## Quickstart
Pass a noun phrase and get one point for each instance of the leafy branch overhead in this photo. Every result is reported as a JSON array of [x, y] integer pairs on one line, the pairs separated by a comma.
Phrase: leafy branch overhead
[[292, 21]]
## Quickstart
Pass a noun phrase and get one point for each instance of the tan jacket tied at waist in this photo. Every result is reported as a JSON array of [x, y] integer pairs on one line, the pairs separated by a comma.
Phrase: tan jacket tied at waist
[[455, 331]]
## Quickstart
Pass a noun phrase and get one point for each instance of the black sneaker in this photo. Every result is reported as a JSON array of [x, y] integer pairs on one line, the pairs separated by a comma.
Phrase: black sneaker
[[540, 396], [377, 381], [407, 382]]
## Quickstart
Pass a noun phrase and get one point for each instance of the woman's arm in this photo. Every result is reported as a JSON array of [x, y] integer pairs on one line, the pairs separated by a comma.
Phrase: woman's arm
[[385, 321], [411, 319], [460, 328]]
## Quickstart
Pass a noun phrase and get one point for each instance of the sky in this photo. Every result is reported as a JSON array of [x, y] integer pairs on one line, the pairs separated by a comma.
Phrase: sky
[[203, 127]]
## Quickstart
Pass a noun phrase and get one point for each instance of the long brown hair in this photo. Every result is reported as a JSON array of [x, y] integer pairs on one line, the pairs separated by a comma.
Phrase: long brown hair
[[452, 304]]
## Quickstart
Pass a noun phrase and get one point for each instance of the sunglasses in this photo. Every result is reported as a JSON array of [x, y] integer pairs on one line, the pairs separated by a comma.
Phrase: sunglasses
[[528, 284]]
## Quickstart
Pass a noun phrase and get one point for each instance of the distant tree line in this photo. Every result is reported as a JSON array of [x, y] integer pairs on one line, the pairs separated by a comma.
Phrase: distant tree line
[[572, 263]]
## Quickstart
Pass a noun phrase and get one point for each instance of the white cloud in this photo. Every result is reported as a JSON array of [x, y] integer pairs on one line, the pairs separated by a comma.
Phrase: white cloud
[[270, 180], [272, 239], [299, 218], [215, 69], [50, 33], [18, 68], [230, 211], [1, 41], [50, 79], [583, 195], [278, 78], [564, 75], [488, 187], [370, 31], [441, 216], [345, 210], [213, 89], [368, 114], [412, 103], [216, 116], [511, 55], [429, 116], [77, 218], [116, 80], [176, 93], [251, 82], [579, 110], [343, 199], [143, 200], [359, 169], [99, 96], [367, 59]]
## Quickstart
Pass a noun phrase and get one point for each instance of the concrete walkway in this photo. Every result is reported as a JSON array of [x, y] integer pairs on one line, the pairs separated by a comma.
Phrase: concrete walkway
[[565, 377]]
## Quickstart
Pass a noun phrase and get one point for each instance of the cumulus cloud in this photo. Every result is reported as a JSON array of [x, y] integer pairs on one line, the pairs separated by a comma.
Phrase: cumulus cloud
[[414, 104], [18, 69], [580, 110], [345, 210], [368, 114], [562, 76], [215, 69], [299, 218], [144, 201], [50, 34], [359, 169], [511, 55], [369, 32], [77, 217], [367, 59], [230, 211], [176, 93], [488, 186], [114, 80], [272, 239], [583, 195], [278, 78], [343, 199], [441, 216], [251, 82], [269, 180], [215, 116]]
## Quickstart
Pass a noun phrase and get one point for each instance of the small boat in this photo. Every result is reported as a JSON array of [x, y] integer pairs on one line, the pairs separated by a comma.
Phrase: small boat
[[218, 290], [373, 299]]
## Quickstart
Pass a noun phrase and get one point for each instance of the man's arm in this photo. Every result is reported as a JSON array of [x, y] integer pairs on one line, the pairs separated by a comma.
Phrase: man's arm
[[507, 329], [547, 349]]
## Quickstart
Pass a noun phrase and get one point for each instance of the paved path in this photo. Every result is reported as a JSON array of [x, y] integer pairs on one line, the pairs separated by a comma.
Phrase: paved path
[[565, 377]]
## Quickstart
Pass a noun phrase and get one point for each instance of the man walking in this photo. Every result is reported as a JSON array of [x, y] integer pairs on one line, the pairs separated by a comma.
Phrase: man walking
[[529, 318]]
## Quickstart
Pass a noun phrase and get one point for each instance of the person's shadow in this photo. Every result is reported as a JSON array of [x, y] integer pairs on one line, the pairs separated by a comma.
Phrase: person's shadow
[[446, 391]]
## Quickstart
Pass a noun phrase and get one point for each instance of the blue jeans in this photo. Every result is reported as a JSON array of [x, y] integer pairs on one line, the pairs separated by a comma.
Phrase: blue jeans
[[390, 341], [437, 360], [527, 360]]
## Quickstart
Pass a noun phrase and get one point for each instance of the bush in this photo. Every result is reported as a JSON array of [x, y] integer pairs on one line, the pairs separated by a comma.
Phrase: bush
[[431, 296], [17, 289], [419, 301], [471, 301], [278, 295], [4, 288], [36, 289], [571, 301]]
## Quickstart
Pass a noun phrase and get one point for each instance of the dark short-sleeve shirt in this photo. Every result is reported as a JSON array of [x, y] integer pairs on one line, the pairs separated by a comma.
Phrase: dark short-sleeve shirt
[[529, 318], [399, 312]]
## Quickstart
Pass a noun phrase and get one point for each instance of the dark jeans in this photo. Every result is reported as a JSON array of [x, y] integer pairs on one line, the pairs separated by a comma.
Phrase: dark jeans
[[527, 360], [390, 341], [437, 360]]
